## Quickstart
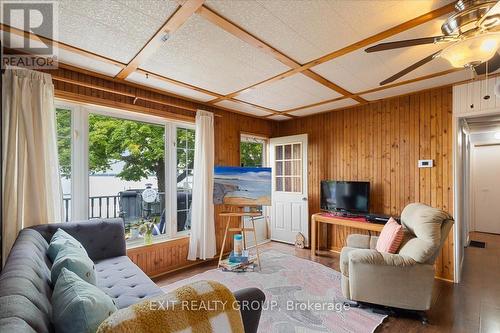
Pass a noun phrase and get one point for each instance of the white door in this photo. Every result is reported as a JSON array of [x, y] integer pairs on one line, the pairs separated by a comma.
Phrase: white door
[[289, 211], [486, 188]]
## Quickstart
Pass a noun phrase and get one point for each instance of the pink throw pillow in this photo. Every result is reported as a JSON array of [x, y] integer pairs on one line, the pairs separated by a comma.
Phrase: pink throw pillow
[[390, 238]]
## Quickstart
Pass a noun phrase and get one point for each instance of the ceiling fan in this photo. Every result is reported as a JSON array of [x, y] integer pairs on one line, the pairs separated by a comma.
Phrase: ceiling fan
[[473, 35]]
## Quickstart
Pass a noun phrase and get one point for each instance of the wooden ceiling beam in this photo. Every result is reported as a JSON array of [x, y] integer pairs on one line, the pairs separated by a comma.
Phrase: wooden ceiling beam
[[132, 84], [207, 92], [223, 23], [356, 46], [250, 39], [174, 22], [421, 78]]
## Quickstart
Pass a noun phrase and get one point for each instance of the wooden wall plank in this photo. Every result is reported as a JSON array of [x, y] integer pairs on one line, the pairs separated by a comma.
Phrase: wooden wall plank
[[344, 146]]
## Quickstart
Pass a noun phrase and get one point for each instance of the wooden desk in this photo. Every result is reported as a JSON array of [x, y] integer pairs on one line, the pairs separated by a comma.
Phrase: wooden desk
[[318, 218]]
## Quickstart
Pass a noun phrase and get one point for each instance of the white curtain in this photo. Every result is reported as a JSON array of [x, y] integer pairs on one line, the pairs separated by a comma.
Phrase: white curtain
[[202, 240], [31, 185]]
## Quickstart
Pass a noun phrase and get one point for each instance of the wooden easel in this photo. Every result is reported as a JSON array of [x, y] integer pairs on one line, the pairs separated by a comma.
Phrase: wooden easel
[[242, 229]]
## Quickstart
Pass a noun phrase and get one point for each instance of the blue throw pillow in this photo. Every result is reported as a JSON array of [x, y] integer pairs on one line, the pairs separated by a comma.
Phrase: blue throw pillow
[[59, 240], [75, 260], [78, 306]]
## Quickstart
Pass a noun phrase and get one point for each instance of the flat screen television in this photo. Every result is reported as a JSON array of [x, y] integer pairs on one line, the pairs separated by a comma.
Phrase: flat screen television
[[345, 196]]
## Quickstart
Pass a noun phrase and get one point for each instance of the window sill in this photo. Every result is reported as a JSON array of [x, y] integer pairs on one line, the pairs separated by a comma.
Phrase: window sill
[[139, 242]]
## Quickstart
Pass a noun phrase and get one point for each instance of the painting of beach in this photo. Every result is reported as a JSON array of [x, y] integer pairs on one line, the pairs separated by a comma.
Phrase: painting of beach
[[242, 186]]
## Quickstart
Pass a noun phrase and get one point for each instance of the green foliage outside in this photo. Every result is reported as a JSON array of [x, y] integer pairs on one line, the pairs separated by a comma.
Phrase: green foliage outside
[[251, 154], [141, 146], [63, 123]]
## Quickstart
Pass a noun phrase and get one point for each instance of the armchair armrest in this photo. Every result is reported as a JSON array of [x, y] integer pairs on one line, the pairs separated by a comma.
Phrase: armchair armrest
[[101, 238], [248, 300], [361, 241], [373, 257]]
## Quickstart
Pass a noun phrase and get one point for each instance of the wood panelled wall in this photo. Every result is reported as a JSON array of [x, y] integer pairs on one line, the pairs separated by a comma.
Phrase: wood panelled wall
[[381, 142], [164, 257]]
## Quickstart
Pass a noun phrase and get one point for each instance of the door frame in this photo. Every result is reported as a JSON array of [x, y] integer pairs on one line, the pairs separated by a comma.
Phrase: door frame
[[472, 183], [462, 193], [302, 138]]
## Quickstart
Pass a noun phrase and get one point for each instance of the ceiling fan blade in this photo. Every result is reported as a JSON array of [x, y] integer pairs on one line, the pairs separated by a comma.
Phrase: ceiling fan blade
[[405, 43], [495, 10], [410, 68], [493, 65]]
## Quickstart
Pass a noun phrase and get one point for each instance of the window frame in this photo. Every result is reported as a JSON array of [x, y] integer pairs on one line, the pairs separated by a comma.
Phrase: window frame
[[79, 160], [249, 137]]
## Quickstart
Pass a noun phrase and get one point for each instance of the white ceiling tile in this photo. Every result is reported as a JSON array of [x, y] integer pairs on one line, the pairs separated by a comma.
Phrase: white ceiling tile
[[117, 29], [306, 30], [243, 108], [168, 87], [72, 58], [91, 64], [325, 107], [279, 117], [368, 17], [288, 93], [356, 71], [282, 24], [419, 85], [204, 55]]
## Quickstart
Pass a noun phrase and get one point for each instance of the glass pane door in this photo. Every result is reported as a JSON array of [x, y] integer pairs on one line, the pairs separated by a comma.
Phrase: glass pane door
[[288, 168]]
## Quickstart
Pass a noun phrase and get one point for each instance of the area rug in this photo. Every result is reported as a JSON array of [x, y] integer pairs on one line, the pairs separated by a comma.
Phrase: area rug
[[301, 296]]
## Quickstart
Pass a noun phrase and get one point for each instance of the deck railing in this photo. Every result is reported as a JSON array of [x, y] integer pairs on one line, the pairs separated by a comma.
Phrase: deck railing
[[106, 206]]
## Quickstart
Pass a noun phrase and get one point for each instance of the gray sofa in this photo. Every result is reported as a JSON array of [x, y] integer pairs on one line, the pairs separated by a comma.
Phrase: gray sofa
[[26, 289]]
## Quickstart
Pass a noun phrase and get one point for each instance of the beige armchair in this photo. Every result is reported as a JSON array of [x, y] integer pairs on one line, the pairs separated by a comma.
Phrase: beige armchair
[[402, 280]]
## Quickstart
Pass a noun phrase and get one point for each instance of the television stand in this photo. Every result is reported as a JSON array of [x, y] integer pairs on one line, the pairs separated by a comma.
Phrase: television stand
[[342, 227]]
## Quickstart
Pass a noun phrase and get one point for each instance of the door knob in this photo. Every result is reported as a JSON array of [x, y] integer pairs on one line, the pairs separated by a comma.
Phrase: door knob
[[304, 199]]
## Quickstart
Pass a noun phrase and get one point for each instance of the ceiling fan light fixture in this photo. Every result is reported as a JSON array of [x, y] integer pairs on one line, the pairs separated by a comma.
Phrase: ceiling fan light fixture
[[472, 51]]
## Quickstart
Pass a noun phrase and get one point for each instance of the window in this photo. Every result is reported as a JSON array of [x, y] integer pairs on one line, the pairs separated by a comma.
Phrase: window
[[114, 157], [185, 164], [288, 168], [125, 157], [252, 151], [63, 127]]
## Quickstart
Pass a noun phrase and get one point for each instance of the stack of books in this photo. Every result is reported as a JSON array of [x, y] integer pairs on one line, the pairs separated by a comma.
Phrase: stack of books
[[239, 263]]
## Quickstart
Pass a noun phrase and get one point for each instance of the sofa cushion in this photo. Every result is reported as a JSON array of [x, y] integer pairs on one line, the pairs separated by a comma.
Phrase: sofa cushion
[[60, 240], [79, 307], [123, 281], [15, 324], [75, 260], [25, 284]]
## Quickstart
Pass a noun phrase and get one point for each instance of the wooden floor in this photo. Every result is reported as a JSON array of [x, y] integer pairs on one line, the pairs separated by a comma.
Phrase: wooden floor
[[472, 306]]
